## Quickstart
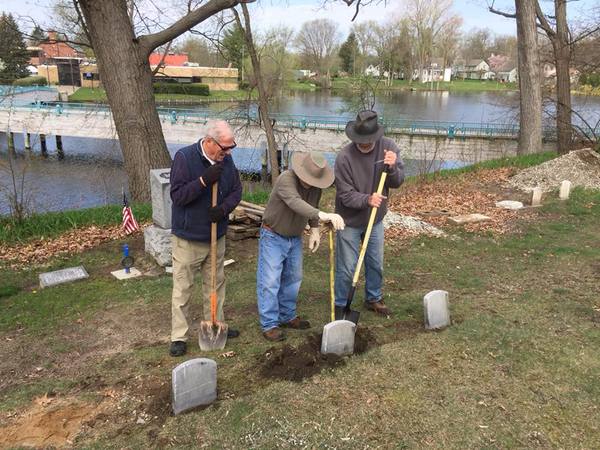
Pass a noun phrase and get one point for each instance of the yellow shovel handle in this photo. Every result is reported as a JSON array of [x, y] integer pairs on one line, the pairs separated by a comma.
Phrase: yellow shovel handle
[[331, 273]]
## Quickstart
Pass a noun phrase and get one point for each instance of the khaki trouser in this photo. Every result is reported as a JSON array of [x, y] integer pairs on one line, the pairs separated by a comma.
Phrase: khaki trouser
[[189, 257]]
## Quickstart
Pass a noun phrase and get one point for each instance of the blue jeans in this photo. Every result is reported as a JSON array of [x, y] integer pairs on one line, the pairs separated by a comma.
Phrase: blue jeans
[[278, 278], [348, 243]]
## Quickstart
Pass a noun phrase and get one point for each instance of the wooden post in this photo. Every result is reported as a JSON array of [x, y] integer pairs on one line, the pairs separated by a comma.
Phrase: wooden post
[[264, 175], [59, 147], [11, 143], [43, 145]]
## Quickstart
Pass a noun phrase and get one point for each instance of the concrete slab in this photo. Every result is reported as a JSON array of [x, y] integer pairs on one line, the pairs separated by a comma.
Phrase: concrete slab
[[468, 218], [122, 275], [49, 279], [436, 310], [338, 338], [509, 204], [194, 383]]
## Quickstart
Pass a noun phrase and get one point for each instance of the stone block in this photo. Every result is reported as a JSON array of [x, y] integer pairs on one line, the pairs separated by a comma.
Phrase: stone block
[[122, 275], [194, 383], [436, 310], [509, 204], [536, 196], [160, 187], [48, 279], [157, 243], [338, 338], [565, 190], [468, 218]]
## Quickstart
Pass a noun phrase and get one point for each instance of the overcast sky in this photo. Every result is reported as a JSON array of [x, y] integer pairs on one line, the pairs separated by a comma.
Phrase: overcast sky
[[293, 13]]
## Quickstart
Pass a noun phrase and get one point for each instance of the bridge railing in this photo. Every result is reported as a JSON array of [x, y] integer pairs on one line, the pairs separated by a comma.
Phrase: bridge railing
[[447, 129]]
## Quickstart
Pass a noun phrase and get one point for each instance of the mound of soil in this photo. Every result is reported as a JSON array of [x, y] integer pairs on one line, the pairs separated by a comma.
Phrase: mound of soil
[[303, 361], [580, 167]]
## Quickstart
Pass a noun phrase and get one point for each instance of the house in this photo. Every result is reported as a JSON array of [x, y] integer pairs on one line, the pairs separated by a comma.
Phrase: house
[[434, 71], [170, 59], [474, 69], [217, 78], [64, 57], [373, 71], [506, 73]]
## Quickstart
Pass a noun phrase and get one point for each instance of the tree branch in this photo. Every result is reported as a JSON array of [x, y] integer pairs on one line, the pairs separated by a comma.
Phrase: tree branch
[[161, 63], [150, 41], [543, 22]]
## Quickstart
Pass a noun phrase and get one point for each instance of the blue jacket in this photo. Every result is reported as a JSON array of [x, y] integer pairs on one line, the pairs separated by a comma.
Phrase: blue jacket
[[191, 200]]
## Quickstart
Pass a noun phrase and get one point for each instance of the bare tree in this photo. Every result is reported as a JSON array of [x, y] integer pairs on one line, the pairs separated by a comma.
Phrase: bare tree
[[122, 56], [318, 42], [263, 94]]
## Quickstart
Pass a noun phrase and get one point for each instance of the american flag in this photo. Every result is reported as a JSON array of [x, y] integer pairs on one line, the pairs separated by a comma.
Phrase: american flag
[[129, 223]]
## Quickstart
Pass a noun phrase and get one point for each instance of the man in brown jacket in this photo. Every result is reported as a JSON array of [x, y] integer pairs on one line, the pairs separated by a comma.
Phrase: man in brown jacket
[[293, 203]]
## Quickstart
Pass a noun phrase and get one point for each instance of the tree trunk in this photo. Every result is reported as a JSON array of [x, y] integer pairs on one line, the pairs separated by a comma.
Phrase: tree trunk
[[126, 76], [263, 96], [530, 117], [562, 58]]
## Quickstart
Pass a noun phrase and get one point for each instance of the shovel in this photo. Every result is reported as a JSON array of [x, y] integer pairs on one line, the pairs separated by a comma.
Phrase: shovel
[[344, 312], [213, 334]]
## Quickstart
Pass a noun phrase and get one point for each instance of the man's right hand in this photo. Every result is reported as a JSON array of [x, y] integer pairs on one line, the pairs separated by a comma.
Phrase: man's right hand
[[211, 175], [376, 199]]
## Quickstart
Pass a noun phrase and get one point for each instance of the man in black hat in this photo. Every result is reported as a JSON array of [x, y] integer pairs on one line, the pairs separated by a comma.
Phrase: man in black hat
[[358, 168]]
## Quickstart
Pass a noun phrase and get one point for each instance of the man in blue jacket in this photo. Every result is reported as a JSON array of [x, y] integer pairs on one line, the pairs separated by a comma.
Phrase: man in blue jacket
[[194, 171]]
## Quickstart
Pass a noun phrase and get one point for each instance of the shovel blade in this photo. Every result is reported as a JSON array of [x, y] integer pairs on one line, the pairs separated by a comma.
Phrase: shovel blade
[[213, 336], [343, 313]]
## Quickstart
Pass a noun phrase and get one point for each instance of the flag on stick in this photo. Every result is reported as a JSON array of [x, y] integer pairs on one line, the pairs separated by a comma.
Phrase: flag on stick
[[129, 223]]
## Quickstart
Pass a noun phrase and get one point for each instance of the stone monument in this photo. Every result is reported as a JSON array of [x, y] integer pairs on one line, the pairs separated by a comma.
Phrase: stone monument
[[157, 237]]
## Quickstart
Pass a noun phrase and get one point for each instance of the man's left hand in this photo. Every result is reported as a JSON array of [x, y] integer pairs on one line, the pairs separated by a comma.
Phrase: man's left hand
[[314, 239], [389, 158], [216, 214]]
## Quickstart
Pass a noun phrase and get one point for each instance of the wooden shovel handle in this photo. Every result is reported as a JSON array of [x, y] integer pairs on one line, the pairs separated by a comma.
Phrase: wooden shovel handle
[[213, 259]]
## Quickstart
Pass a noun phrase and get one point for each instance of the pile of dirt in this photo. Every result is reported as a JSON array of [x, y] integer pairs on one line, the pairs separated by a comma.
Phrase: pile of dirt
[[580, 167], [303, 361]]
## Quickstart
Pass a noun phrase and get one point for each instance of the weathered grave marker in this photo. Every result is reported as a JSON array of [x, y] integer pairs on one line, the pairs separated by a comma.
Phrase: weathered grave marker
[[338, 338], [509, 204], [536, 196], [161, 197], [48, 279], [565, 190], [468, 218], [436, 310], [194, 383]]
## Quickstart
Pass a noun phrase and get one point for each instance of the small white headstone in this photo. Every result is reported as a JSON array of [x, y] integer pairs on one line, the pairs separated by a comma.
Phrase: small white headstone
[[338, 338], [436, 310], [62, 276], [565, 190], [536, 196], [194, 383], [509, 204], [122, 275]]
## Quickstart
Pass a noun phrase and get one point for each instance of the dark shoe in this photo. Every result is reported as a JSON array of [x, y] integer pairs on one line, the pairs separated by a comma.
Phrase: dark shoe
[[296, 324], [379, 307], [231, 333], [178, 348], [274, 334]]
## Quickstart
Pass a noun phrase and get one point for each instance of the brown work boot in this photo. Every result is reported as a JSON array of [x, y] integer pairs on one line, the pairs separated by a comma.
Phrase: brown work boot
[[378, 307], [296, 324], [274, 334]]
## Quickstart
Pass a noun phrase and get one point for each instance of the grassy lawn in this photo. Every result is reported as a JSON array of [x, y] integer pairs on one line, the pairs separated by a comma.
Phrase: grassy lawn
[[519, 367], [99, 95], [453, 86]]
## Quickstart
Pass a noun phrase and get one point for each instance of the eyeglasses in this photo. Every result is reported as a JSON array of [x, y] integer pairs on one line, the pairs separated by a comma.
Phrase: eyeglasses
[[225, 149]]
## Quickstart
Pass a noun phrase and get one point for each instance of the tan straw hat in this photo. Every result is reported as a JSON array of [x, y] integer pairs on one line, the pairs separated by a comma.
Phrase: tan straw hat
[[312, 168]]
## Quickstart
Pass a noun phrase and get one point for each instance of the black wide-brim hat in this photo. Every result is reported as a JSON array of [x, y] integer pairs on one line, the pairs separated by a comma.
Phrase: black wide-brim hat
[[365, 129]]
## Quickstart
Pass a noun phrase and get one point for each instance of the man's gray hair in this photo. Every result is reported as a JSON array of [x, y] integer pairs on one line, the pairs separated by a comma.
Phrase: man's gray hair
[[218, 129]]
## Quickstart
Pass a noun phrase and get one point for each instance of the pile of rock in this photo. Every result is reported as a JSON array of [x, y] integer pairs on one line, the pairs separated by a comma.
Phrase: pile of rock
[[244, 221]]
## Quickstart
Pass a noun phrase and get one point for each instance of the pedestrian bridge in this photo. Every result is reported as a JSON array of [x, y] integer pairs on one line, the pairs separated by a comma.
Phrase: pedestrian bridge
[[461, 141]]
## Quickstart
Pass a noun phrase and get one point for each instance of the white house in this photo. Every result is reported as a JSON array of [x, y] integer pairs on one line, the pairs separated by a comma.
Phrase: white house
[[435, 71], [475, 69], [506, 72]]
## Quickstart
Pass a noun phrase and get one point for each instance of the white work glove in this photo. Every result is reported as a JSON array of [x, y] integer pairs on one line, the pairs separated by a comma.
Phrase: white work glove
[[314, 239], [335, 219]]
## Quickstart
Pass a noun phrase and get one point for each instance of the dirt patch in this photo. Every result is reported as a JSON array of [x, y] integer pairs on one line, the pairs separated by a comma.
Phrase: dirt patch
[[305, 360], [49, 422]]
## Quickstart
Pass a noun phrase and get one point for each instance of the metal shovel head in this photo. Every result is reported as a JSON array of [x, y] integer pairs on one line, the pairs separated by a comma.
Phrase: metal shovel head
[[343, 313], [213, 336]]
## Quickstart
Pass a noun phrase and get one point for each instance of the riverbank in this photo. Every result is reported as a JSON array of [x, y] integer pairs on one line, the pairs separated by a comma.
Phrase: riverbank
[[517, 368], [98, 95], [354, 84]]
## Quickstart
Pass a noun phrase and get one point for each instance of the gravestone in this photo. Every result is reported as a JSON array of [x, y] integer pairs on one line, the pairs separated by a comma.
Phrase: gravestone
[[48, 279], [509, 204], [565, 190], [160, 188], [157, 242], [436, 310], [536, 196], [194, 383], [338, 338], [468, 218]]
